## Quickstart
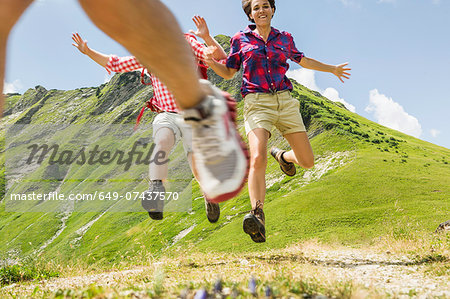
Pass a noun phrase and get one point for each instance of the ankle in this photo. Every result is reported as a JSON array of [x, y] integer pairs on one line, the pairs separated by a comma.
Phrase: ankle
[[156, 182], [283, 159], [259, 205], [201, 95], [200, 111]]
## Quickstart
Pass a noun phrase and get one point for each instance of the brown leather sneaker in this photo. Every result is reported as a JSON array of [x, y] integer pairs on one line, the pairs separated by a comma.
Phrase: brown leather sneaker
[[152, 202], [287, 167], [254, 224], [212, 211]]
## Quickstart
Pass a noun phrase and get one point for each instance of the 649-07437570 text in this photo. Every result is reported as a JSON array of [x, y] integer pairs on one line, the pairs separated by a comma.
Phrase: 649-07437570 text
[[102, 196]]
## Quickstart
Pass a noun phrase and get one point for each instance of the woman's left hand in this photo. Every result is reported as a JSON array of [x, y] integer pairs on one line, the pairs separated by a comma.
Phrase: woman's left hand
[[341, 71]]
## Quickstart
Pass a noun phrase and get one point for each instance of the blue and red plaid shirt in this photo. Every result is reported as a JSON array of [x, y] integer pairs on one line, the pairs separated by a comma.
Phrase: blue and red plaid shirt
[[265, 64]]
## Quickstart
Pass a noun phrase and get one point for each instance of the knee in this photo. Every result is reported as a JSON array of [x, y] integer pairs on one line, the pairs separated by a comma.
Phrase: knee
[[258, 161], [164, 142]]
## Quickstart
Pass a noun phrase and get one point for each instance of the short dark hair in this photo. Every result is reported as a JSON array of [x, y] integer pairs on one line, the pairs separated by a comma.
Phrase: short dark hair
[[247, 7]]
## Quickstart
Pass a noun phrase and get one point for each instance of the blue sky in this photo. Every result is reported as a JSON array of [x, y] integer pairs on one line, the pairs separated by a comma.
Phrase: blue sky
[[398, 51]]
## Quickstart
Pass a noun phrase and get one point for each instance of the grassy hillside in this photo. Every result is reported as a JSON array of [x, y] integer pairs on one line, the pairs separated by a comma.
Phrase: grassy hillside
[[369, 182]]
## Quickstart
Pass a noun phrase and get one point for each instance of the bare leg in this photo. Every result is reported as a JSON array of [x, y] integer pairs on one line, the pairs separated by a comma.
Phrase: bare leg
[[301, 153], [10, 12], [164, 142], [150, 31], [258, 162]]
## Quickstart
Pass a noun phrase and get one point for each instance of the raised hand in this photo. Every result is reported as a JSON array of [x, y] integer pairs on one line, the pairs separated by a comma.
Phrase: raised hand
[[80, 44], [202, 27], [341, 71]]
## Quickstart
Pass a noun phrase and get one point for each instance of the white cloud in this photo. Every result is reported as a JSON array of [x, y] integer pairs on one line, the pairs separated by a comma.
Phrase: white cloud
[[12, 87], [391, 114], [333, 95], [307, 78], [435, 133]]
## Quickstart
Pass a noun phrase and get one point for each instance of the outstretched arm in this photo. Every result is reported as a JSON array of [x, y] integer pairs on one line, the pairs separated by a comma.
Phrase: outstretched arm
[[112, 63], [82, 46], [219, 68], [340, 70], [203, 33]]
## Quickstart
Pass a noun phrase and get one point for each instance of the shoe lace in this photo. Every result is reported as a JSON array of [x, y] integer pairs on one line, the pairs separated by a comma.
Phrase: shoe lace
[[255, 210], [207, 142], [258, 208]]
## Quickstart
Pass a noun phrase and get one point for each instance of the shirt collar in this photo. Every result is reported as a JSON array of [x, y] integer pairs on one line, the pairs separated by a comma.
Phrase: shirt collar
[[249, 30]]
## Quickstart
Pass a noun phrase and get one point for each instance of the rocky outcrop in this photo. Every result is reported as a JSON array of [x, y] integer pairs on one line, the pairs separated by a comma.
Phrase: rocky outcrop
[[29, 98], [40, 105], [118, 90]]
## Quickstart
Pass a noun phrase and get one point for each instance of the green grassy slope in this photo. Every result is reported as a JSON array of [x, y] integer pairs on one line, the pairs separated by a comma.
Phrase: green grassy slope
[[369, 181], [389, 184]]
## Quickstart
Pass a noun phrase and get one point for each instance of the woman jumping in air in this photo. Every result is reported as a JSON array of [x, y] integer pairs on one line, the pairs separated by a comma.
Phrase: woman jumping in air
[[262, 51]]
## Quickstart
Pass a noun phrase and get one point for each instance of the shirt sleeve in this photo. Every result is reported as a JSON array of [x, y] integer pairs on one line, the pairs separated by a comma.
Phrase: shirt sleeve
[[234, 58], [294, 53], [123, 64], [197, 48]]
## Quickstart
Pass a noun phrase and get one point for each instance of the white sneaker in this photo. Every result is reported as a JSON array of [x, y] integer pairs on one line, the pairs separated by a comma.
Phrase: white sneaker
[[221, 156]]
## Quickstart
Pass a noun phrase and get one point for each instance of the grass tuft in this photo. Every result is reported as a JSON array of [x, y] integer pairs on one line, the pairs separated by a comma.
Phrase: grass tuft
[[25, 272]]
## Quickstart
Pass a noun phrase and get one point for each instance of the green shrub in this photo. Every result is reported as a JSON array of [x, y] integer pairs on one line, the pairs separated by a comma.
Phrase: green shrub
[[17, 273]]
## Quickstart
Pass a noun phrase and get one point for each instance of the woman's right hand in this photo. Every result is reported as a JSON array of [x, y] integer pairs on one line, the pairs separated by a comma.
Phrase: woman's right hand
[[209, 54], [80, 44]]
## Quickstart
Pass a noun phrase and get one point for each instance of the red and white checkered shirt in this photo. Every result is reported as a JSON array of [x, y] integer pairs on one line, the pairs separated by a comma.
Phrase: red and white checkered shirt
[[162, 97]]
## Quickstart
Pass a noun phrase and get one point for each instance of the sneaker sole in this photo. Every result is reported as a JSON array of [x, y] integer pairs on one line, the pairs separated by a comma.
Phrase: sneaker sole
[[216, 210], [286, 173], [274, 155], [156, 215], [154, 207], [251, 227], [232, 114]]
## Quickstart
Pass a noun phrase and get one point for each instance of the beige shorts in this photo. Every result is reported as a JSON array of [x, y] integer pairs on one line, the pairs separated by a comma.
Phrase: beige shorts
[[176, 123], [265, 110]]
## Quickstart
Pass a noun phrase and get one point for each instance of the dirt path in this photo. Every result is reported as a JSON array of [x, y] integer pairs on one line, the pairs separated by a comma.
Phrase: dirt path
[[369, 273], [394, 274]]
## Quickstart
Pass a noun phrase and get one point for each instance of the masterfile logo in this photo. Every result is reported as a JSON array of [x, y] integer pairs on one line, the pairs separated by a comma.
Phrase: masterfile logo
[[89, 168]]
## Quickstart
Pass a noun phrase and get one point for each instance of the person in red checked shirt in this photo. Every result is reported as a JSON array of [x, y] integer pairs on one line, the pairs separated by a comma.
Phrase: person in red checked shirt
[[262, 51], [168, 126]]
